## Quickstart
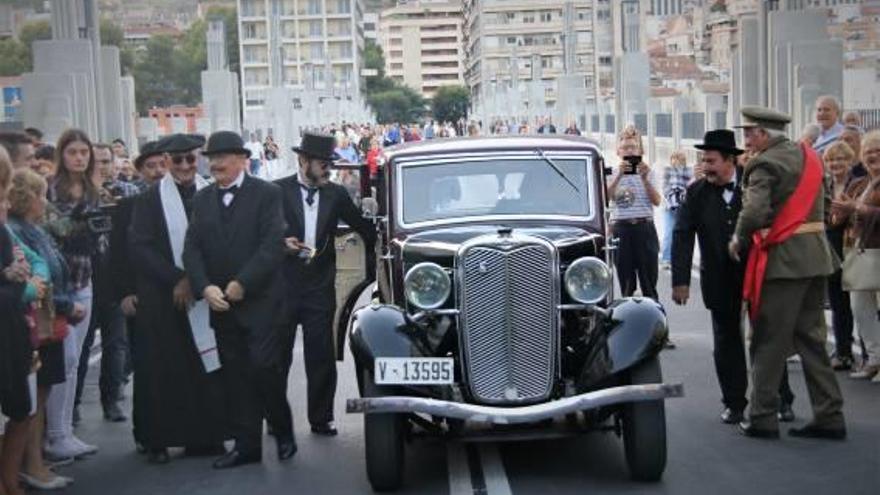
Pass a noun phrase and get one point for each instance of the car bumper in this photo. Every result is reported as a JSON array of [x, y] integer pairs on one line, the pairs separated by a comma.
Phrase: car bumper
[[515, 415]]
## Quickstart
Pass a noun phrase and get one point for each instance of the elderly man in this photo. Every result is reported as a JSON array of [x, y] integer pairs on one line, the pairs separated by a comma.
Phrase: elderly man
[[782, 221], [232, 256], [828, 118]]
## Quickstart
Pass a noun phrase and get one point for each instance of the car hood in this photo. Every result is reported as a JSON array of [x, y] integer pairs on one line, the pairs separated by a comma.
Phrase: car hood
[[440, 245]]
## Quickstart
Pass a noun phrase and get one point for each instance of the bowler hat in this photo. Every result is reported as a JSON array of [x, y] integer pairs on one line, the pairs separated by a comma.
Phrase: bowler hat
[[722, 140], [320, 146], [755, 116], [180, 143], [226, 143], [148, 150]]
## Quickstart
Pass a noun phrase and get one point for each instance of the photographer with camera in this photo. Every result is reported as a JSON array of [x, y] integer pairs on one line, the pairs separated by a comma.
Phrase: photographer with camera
[[73, 218], [106, 312], [634, 197]]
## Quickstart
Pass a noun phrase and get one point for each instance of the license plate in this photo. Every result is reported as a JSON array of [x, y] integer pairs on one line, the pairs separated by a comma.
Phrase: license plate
[[414, 371]]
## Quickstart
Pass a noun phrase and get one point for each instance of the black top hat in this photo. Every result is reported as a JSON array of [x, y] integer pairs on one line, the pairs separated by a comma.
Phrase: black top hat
[[722, 140], [319, 146], [226, 143], [149, 149], [180, 143]]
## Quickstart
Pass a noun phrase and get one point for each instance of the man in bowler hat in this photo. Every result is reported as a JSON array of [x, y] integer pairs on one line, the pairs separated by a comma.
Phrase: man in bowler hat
[[313, 207], [234, 247]]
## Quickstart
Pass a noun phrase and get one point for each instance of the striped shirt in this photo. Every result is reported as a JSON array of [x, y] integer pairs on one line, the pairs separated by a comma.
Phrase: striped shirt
[[631, 199]]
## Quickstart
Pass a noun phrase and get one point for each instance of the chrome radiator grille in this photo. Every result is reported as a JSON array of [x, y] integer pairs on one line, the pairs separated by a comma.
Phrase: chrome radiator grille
[[507, 296]]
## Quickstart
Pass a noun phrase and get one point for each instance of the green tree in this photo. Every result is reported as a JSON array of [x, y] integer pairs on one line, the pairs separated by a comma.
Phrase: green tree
[[400, 104], [155, 81], [113, 35], [30, 32], [14, 58], [450, 103]]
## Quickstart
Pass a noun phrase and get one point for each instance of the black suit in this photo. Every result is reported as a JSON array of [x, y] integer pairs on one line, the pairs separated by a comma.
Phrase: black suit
[[705, 213], [244, 242], [311, 287]]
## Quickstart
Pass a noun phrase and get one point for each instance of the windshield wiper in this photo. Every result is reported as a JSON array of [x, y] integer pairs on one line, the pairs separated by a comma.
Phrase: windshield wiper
[[556, 168]]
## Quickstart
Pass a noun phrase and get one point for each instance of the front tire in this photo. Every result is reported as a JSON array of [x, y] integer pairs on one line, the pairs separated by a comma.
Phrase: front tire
[[383, 439], [644, 427]]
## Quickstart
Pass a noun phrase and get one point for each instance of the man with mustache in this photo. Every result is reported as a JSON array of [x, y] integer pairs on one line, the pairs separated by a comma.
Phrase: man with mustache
[[313, 206], [233, 251]]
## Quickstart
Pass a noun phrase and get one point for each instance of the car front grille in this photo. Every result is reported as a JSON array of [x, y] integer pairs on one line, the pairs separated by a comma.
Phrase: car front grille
[[508, 293]]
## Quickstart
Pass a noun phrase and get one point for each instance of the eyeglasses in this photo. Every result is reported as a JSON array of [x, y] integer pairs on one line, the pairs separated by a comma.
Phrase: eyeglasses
[[178, 159]]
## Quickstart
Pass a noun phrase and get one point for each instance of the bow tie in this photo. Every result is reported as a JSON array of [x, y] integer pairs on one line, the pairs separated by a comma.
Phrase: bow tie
[[230, 190], [730, 186], [311, 191]]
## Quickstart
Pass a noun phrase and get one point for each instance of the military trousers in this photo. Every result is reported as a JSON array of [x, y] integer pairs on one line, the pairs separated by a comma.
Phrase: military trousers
[[791, 320]]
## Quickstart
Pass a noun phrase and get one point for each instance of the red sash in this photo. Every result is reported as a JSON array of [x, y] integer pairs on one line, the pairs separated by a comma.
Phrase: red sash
[[790, 217]]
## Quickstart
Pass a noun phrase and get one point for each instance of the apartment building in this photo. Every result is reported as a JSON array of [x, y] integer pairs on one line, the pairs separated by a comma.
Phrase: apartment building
[[422, 43], [509, 41], [299, 44]]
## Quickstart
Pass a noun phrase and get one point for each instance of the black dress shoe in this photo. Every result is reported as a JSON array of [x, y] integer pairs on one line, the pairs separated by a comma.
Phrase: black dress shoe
[[286, 448], [204, 450], [731, 416], [324, 429], [235, 458], [158, 456], [114, 414], [785, 414], [813, 431], [748, 430]]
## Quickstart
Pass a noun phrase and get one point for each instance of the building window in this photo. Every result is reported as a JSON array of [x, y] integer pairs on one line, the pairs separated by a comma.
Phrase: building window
[[316, 29], [314, 7], [317, 51], [546, 16], [343, 6]]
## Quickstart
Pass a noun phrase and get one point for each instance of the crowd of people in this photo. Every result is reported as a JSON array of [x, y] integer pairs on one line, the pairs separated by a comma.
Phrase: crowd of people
[[198, 274]]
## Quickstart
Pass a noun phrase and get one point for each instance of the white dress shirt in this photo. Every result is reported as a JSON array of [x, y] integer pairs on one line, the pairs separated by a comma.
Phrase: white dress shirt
[[228, 197], [310, 216]]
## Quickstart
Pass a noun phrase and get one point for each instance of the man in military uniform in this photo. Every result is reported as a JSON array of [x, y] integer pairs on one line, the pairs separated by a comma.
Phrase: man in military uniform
[[782, 221]]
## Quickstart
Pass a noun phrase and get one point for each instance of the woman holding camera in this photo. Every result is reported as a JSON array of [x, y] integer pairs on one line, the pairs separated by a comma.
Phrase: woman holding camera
[[73, 198]]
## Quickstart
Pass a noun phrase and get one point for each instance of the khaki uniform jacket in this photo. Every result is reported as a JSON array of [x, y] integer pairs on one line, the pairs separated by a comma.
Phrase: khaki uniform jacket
[[769, 179]]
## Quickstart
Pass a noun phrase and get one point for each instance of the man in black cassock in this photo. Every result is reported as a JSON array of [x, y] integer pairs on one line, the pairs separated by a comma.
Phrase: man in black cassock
[[233, 252], [179, 397]]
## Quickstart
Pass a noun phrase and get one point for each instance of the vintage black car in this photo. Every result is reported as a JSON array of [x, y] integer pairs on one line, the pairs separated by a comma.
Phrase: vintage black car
[[494, 313]]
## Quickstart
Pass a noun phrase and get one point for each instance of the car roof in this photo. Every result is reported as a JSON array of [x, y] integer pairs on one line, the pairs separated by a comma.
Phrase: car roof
[[447, 146]]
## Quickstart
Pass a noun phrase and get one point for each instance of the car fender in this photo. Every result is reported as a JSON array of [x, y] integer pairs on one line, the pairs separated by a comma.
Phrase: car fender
[[382, 330], [638, 331]]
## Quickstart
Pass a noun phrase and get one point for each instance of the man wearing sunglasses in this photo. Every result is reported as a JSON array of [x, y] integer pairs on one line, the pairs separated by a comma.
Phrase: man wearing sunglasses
[[178, 400], [313, 207]]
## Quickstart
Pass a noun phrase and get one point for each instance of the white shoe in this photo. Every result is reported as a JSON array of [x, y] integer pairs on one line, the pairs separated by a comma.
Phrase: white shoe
[[53, 463], [88, 448], [67, 479], [65, 448], [56, 483]]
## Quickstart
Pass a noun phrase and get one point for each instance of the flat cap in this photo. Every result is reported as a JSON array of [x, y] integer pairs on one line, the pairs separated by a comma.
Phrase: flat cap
[[147, 150], [180, 143], [756, 116]]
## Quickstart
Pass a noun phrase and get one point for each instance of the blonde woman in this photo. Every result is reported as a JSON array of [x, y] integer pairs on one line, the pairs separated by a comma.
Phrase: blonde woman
[[859, 210]]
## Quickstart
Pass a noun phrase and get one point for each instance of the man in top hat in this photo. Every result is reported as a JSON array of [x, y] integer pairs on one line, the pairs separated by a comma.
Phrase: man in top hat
[[232, 255], [313, 207], [178, 388], [785, 200]]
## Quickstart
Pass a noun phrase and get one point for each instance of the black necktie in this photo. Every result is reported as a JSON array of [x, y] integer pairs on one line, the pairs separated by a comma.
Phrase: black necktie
[[311, 191]]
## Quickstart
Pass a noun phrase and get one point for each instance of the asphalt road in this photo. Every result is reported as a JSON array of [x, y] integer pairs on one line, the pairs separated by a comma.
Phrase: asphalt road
[[705, 456]]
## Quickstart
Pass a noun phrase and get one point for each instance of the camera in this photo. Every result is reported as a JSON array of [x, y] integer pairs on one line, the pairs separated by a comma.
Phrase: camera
[[634, 162]]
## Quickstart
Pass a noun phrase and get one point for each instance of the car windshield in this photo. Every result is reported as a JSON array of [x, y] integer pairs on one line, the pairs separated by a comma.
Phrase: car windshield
[[510, 187]]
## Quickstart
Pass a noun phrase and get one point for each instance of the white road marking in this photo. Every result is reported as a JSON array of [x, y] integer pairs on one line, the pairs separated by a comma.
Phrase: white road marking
[[493, 470], [457, 466]]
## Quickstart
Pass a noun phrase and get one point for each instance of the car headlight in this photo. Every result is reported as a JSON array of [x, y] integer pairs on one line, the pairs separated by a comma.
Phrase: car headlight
[[427, 286], [588, 280]]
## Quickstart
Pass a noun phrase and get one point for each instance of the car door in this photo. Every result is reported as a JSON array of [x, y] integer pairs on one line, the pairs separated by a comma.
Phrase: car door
[[354, 272]]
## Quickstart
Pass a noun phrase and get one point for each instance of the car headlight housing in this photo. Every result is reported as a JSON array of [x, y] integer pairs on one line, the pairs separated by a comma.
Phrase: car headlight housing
[[588, 280], [427, 286]]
